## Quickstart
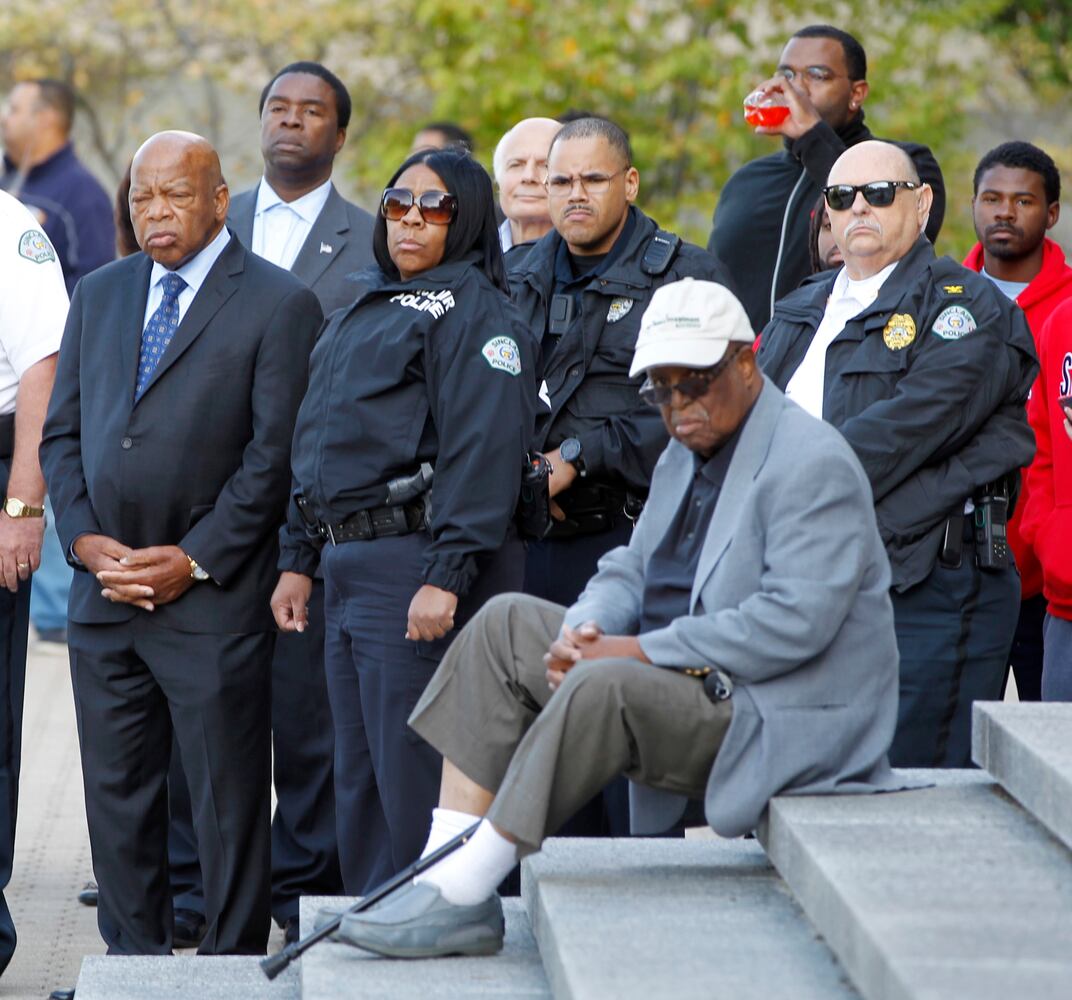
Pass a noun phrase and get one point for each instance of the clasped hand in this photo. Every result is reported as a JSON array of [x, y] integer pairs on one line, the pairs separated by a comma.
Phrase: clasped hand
[[142, 577], [587, 642]]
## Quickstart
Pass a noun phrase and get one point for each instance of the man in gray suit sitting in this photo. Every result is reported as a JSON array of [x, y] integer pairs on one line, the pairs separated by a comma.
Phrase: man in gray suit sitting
[[741, 645]]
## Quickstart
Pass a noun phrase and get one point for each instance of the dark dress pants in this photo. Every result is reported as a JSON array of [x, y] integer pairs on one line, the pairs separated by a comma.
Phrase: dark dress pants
[[305, 855], [1026, 655], [954, 631], [557, 570], [136, 685], [386, 777], [14, 620]]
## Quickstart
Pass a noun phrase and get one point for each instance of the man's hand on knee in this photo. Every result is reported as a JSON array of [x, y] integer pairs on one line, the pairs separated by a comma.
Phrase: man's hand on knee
[[587, 642]]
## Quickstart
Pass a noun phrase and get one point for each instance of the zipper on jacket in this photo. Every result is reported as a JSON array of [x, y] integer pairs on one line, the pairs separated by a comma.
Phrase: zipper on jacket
[[781, 240]]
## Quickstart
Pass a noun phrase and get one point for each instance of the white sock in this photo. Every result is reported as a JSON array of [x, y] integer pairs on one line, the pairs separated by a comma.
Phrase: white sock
[[473, 872], [446, 825]]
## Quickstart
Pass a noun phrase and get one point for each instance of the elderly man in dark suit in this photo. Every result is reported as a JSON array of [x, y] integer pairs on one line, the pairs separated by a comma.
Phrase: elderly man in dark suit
[[167, 454], [297, 219]]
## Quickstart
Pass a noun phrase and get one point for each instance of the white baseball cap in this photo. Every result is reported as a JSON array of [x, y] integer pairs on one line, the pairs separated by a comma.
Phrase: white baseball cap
[[690, 324]]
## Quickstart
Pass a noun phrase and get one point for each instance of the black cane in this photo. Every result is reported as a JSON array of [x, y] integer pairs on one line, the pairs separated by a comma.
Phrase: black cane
[[275, 964]]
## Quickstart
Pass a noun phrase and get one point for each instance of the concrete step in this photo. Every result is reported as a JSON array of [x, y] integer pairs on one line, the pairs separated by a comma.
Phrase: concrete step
[[946, 892], [182, 977], [1027, 747], [330, 970], [648, 919]]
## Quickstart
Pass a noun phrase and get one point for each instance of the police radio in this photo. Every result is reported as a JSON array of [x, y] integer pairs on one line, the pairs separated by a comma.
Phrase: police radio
[[660, 253], [561, 315], [990, 519]]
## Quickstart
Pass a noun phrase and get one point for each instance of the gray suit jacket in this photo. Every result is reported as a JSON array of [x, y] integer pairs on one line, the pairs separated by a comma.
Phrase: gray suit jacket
[[791, 600], [339, 244]]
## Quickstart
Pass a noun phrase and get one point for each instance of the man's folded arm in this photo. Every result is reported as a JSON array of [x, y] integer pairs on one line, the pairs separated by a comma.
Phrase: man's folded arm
[[61, 440], [820, 533]]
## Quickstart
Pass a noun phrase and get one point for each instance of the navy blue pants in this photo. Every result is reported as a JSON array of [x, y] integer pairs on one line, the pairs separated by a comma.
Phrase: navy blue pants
[[135, 688], [386, 777], [954, 632], [14, 619], [558, 570], [1025, 657], [1057, 672], [305, 856]]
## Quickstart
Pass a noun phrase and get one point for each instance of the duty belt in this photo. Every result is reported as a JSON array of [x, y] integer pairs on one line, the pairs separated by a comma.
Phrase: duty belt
[[376, 522]]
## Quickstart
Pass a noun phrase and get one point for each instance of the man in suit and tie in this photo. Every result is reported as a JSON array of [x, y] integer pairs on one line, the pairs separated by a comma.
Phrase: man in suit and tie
[[167, 453], [715, 657], [297, 219]]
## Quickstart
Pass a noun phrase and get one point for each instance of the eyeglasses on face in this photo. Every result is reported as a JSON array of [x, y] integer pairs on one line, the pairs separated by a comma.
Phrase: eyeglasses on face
[[438, 208], [561, 185], [813, 74], [879, 194], [691, 386]]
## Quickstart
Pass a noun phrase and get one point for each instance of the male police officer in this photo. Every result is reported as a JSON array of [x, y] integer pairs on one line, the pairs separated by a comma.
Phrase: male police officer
[[924, 366], [582, 289], [33, 308]]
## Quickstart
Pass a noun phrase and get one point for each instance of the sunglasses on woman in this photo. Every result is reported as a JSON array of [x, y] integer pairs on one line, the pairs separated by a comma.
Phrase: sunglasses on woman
[[879, 194], [691, 386], [437, 208]]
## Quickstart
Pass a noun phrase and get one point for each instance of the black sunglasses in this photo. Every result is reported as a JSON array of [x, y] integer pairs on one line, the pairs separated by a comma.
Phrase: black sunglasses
[[436, 207], [691, 386], [880, 194]]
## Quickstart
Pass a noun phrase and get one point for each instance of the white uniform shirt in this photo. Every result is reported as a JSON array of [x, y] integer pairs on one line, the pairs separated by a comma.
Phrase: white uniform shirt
[[193, 272], [847, 299], [33, 297], [281, 228]]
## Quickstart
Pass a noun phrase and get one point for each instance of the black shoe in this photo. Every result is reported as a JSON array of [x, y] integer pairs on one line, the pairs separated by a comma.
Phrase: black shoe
[[189, 929], [62, 994], [88, 895], [291, 930]]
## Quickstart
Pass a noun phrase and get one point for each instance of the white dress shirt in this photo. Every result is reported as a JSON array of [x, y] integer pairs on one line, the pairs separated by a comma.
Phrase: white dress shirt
[[506, 235], [193, 272], [33, 297], [280, 228], [847, 299]]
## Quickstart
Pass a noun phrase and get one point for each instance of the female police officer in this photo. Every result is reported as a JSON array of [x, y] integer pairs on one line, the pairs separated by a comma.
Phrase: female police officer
[[427, 378]]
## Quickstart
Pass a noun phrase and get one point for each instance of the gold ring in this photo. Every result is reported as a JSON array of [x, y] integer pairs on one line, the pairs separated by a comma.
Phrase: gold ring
[[23, 565]]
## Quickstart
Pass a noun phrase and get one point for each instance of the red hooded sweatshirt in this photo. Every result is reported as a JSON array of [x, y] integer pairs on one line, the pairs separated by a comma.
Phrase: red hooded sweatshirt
[[1050, 287], [1047, 519]]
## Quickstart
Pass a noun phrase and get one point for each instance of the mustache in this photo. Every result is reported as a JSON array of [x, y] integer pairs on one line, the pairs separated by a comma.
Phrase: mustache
[[1000, 227], [862, 224]]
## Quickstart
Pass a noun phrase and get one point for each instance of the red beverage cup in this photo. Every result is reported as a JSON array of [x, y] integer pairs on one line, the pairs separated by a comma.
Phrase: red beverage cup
[[764, 110]]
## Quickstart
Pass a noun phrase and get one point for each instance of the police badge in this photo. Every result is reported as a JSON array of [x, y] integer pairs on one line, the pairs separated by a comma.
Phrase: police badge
[[34, 245], [953, 323], [900, 331], [619, 307]]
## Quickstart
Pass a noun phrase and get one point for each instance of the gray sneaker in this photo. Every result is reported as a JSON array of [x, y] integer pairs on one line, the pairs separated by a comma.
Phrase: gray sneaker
[[417, 922], [326, 914]]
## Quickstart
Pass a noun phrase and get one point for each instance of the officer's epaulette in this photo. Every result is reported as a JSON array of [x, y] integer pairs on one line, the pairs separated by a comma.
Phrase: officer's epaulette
[[953, 280]]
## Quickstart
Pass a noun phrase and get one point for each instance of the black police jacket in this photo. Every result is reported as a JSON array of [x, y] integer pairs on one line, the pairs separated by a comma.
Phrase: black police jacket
[[764, 211], [436, 369], [928, 385], [586, 391]]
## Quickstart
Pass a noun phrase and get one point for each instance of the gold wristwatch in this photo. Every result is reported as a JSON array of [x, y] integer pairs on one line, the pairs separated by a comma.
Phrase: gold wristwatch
[[196, 572], [14, 507]]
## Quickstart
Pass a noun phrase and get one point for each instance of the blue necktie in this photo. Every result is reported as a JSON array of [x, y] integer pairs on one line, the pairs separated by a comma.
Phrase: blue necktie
[[158, 332]]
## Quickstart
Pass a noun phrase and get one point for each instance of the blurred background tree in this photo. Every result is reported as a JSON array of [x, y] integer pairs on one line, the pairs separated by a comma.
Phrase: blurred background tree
[[959, 75]]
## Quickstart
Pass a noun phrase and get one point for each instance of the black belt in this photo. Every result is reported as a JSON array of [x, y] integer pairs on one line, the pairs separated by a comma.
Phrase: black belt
[[7, 435], [376, 522]]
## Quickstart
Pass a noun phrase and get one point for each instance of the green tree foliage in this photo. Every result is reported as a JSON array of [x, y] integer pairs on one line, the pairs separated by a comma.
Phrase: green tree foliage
[[673, 74]]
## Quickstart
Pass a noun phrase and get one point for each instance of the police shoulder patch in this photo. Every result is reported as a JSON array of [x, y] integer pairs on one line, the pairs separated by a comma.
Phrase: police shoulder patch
[[954, 322], [503, 355], [900, 331], [34, 245], [619, 308]]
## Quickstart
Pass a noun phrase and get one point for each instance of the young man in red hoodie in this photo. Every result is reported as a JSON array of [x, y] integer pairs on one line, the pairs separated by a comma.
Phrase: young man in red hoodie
[[1017, 199], [1047, 519]]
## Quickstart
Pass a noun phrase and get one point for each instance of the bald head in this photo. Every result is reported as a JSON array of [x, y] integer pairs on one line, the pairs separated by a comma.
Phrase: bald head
[[178, 197], [871, 237], [520, 167]]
